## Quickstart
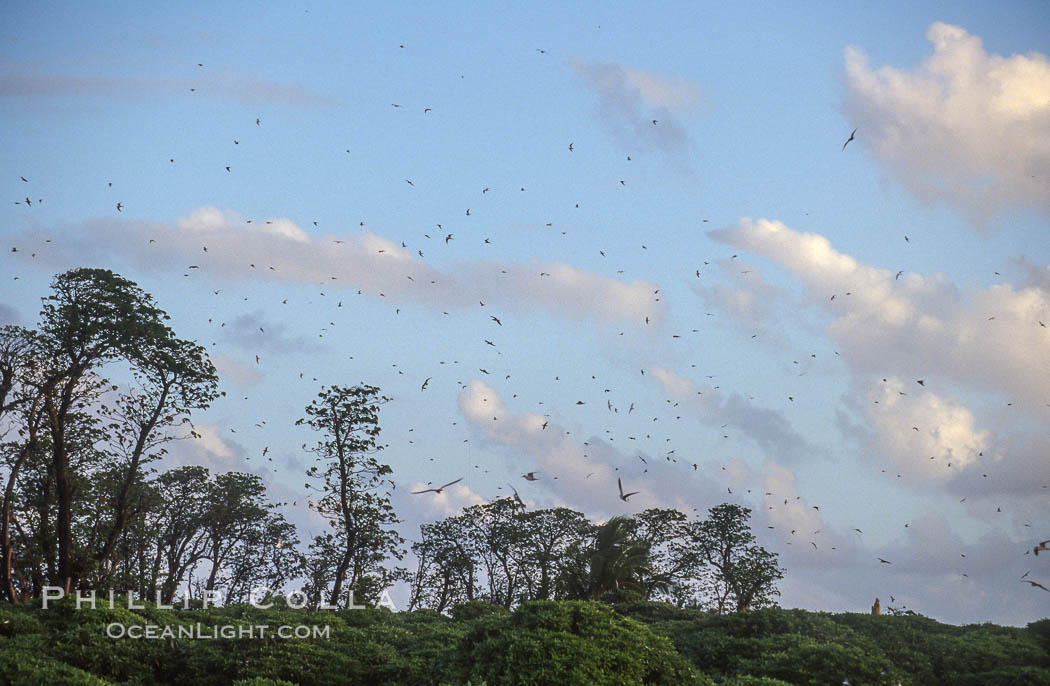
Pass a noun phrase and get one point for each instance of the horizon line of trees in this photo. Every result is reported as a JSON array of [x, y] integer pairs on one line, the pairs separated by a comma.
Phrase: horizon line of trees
[[83, 506]]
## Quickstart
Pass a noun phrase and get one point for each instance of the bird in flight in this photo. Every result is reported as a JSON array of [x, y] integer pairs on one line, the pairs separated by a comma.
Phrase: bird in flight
[[570, 147], [1041, 546], [885, 562], [438, 489], [424, 386], [496, 319], [531, 476], [851, 136], [1035, 584], [624, 496], [516, 496], [120, 207]]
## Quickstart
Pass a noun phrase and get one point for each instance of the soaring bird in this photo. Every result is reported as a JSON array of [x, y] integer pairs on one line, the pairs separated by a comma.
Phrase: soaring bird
[[1035, 584], [1041, 546], [496, 319], [424, 386], [849, 139], [516, 496], [448, 238], [531, 476], [885, 562], [624, 496], [439, 489]]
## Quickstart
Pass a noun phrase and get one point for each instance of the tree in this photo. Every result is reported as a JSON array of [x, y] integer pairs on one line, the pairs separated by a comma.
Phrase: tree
[[493, 534], [548, 536], [18, 348], [235, 506], [445, 575], [182, 540], [266, 556], [361, 517], [615, 563], [677, 567], [745, 574], [92, 318]]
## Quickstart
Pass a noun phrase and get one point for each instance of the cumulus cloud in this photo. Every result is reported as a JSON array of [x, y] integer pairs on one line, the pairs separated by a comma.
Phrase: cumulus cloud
[[630, 99], [961, 344], [278, 250], [964, 127], [914, 326], [922, 433]]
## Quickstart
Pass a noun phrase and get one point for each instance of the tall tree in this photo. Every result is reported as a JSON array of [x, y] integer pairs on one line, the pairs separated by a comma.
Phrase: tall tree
[[446, 573], [18, 395], [92, 318], [547, 537], [494, 533], [745, 574], [235, 508], [362, 540], [182, 541], [677, 569]]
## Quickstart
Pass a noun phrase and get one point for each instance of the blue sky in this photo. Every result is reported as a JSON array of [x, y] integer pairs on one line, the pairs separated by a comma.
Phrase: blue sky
[[750, 370]]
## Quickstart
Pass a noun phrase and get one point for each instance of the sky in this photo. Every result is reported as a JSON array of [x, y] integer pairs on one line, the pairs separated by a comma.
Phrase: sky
[[619, 244]]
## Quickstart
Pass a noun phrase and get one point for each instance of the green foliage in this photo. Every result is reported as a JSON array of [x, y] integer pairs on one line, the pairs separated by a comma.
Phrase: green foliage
[[541, 642], [545, 642], [753, 681], [477, 608], [22, 667]]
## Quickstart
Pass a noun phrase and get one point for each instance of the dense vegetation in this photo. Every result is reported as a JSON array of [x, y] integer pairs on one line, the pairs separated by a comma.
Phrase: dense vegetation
[[92, 399], [541, 642]]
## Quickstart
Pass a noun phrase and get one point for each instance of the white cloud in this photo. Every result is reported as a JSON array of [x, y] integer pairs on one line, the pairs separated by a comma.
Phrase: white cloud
[[960, 343], [911, 429], [915, 326], [279, 250], [965, 127], [429, 507]]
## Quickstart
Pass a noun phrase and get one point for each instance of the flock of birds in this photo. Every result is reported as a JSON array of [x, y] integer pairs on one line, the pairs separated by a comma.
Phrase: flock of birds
[[671, 410]]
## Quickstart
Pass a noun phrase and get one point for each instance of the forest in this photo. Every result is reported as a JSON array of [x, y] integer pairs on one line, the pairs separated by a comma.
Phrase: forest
[[94, 397]]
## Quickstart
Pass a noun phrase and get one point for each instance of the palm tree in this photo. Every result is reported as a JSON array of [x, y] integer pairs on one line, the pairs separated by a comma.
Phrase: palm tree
[[614, 563]]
